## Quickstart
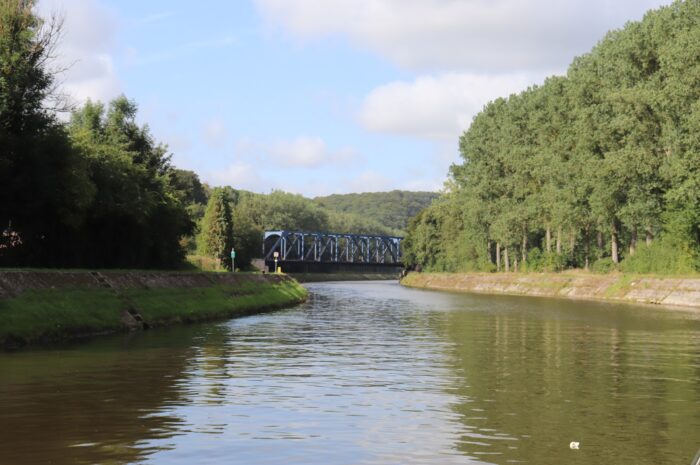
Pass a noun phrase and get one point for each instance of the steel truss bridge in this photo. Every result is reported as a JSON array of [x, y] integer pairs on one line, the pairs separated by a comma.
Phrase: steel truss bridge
[[301, 251]]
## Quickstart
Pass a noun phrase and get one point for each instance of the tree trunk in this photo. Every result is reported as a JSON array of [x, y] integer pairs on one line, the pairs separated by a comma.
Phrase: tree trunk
[[524, 249], [515, 264], [489, 251], [498, 256], [572, 242], [614, 244], [505, 252], [549, 239], [600, 239], [586, 247], [650, 236], [633, 242], [559, 240]]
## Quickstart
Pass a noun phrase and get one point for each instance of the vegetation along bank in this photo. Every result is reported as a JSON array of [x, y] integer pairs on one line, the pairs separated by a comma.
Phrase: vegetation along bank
[[48, 306], [676, 291], [597, 169]]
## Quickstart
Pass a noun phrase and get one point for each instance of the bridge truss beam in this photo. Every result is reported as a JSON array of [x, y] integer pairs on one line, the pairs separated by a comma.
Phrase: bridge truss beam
[[318, 247]]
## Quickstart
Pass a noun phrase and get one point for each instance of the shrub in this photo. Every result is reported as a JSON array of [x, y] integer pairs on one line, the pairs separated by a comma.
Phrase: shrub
[[538, 261], [604, 265], [664, 256]]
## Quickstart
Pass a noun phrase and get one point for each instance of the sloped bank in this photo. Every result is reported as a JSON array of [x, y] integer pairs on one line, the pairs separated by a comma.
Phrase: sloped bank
[[46, 306], [676, 291]]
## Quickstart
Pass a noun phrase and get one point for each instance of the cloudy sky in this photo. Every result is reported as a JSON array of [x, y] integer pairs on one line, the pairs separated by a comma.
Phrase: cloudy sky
[[321, 96]]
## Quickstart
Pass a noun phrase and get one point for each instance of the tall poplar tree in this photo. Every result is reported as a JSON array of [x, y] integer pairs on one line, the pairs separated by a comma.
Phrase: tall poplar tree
[[216, 236]]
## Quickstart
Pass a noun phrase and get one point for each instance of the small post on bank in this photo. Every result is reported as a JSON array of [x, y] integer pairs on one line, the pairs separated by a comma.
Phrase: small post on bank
[[233, 260], [276, 255]]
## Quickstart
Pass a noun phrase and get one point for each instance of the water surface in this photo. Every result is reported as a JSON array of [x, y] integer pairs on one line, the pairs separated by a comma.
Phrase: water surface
[[369, 373]]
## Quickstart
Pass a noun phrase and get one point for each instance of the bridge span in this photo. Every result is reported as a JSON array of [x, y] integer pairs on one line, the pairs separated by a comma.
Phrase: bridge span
[[314, 252]]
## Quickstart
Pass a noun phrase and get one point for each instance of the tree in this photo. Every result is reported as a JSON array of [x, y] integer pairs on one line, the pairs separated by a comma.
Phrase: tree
[[44, 184], [137, 217], [609, 150], [216, 235]]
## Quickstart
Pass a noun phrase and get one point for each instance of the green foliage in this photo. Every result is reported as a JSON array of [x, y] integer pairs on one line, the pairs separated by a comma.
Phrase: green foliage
[[216, 235], [255, 213], [544, 262], [604, 265], [391, 209], [93, 193], [665, 256], [247, 238], [610, 149], [44, 184]]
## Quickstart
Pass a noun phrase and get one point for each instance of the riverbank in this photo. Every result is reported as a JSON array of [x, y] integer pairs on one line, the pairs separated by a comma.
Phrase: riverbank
[[327, 277], [668, 291], [51, 306]]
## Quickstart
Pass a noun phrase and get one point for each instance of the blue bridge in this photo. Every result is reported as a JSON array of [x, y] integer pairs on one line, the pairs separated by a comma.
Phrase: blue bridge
[[319, 252]]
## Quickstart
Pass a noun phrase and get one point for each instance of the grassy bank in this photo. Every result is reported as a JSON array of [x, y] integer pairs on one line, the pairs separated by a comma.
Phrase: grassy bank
[[41, 306], [680, 291]]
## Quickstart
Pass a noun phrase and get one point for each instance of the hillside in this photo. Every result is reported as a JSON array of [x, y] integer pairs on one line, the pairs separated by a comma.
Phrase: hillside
[[392, 209], [384, 213]]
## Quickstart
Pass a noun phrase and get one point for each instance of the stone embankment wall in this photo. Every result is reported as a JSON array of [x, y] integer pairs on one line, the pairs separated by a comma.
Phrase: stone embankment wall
[[15, 283], [676, 291]]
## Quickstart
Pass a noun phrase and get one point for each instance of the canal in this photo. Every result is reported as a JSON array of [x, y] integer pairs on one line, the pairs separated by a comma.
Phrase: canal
[[369, 373]]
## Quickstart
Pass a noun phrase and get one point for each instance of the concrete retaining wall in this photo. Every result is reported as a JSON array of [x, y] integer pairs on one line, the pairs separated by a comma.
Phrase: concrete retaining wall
[[681, 292]]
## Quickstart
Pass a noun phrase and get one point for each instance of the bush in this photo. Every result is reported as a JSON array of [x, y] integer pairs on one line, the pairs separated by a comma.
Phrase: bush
[[538, 261], [604, 265], [664, 256]]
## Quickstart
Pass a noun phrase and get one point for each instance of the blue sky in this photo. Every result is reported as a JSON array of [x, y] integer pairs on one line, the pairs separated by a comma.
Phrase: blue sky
[[321, 96]]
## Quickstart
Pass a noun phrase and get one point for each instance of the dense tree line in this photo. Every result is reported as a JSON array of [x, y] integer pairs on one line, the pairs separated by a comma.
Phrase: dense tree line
[[600, 167], [252, 214], [393, 209], [95, 192]]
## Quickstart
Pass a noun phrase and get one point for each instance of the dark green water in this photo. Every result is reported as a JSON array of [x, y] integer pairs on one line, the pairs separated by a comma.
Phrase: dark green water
[[369, 373]]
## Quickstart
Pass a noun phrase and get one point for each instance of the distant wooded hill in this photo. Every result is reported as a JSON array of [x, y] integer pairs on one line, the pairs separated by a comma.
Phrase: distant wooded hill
[[392, 209], [385, 213]]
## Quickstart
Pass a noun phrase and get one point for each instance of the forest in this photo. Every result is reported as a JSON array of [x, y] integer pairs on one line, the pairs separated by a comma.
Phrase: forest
[[249, 214], [394, 208], [96, 191], [89, 187], [598, 169]]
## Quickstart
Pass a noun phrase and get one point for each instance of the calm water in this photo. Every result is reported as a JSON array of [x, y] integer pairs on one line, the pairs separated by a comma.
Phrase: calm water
[[369, 373]]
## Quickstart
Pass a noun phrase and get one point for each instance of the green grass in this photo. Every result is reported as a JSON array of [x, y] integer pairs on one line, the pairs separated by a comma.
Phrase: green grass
[[203, 263], [167, 306], [49, 315], [52, 314]]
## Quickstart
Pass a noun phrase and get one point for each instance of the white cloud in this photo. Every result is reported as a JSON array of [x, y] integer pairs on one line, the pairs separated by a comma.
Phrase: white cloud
[[479, 35], [239, 175], [369, 181], [307, 152], [214, 133], [435, 106], [85, 50], [301, 153], [154, 18]]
